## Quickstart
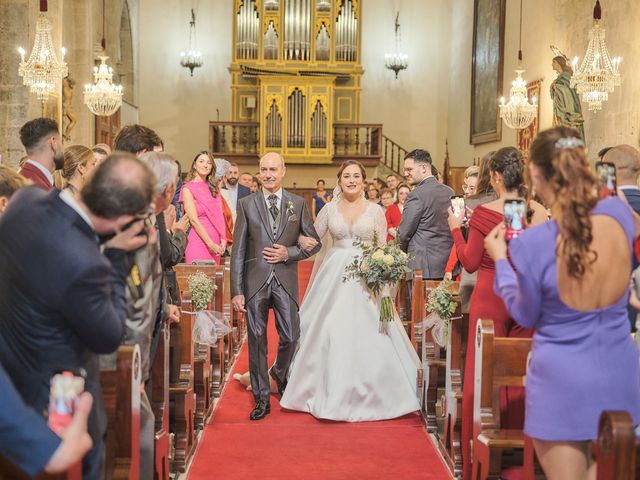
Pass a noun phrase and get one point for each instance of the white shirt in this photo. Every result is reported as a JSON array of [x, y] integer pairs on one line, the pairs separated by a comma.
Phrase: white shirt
[[232, 197], [277, 194], [67, 197], [44, 170]]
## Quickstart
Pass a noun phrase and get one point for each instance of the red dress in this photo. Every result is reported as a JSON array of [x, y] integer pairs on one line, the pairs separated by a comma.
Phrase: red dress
[[394, 217], [484, 304]]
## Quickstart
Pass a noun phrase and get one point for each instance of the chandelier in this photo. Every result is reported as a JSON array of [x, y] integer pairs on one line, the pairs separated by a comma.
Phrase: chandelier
[[397, 61], [598, 74], [103, 97], [193, 58], [518, 113], [42, 71]]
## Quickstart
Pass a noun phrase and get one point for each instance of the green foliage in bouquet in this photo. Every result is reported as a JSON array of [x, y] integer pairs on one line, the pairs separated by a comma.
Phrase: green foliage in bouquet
[[378, 264], [202, 289], [441, 301]]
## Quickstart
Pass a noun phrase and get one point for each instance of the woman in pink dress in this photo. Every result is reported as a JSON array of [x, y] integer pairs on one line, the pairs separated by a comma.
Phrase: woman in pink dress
[[203, 205]]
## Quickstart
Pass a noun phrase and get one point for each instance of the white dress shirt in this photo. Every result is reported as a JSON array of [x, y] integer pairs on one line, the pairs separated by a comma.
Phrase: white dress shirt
[[44, 170], [232, 197]]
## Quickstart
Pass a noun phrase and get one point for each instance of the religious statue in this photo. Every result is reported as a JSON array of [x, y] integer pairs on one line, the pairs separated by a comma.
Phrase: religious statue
[[68, 85], [567, 110]]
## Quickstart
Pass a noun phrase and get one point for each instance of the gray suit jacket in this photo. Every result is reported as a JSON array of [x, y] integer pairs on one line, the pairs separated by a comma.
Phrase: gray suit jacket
[[252, 233], [424, 231]]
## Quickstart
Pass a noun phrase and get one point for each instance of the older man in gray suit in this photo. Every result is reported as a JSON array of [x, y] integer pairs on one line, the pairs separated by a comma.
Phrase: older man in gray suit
[[424, 230], [264, 274]]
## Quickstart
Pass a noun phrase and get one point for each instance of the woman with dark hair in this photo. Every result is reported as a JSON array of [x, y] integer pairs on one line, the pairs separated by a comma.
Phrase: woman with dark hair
[[320, 198], [202, 204], [373, 194], [570, 281], [506, 169]]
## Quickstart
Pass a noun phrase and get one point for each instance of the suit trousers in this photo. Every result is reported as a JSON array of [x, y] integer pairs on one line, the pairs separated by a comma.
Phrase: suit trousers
[[147, 437], [272, 295]]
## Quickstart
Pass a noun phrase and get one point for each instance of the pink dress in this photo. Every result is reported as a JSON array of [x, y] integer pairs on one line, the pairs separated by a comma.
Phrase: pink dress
[[209, 211]]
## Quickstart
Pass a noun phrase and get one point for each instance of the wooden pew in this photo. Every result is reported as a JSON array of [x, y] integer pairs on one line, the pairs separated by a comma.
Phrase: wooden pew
[[216, 366], [499, 362], [430, 352], [181, 389], [121, 394], [160, 405], [617, 450], [451, 404]]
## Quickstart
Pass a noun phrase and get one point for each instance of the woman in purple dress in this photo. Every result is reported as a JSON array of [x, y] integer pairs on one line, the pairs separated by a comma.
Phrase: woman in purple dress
[[571, 282]]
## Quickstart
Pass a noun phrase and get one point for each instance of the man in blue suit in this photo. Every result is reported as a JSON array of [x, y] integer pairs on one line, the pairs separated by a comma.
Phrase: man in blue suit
[[63, 300], [627, 162], [27, 441]]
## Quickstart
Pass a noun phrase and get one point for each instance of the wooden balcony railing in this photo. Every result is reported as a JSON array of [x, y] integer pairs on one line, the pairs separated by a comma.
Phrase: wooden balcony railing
[[357, 141], [393, 156], [234, 140]]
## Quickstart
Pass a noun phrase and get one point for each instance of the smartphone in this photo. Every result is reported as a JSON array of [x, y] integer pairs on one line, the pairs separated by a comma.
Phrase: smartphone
[[65, 388], [458, 207], [515, 212], [606, 172]]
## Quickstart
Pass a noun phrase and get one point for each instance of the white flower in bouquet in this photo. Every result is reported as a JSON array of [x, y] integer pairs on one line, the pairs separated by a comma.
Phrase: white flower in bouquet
[[378, 255], [388, 259]]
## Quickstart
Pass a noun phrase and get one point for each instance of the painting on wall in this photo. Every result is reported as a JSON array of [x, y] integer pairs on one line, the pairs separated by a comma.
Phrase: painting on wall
[[486, 70], [525, 137]]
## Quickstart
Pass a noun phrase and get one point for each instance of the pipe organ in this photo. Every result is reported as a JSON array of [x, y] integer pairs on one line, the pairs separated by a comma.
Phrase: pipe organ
[[300, 59]]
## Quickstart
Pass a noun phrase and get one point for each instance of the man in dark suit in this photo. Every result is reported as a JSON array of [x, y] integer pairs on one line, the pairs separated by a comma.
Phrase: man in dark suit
[[627, 162], [27, 441], [63, 301], [236, 191], [424, 230], [43, 143], [264, 274]]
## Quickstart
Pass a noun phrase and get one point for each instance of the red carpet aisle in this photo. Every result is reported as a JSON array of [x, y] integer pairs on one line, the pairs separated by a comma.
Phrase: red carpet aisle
[[294, 446]]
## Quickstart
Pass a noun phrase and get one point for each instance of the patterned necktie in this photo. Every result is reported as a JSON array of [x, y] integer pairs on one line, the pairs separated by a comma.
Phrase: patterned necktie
[[273, 207]]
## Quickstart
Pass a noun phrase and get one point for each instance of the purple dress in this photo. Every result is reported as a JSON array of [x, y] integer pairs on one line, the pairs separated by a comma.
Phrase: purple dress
[[583, 362]]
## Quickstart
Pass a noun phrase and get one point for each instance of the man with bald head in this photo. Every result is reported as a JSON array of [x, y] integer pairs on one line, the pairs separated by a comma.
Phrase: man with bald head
[[264, 274], [627, 161]]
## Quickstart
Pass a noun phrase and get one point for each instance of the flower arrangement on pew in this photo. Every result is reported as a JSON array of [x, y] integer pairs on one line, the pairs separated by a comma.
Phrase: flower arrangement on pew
[[380, 267], [209, 325], [441, 306]]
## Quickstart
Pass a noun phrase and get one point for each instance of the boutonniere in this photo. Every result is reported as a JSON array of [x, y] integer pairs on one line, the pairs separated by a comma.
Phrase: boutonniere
[[289, 208]]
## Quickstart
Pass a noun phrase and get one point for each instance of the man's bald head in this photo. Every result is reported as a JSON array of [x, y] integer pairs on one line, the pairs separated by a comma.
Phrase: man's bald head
[[627, 161], [120, 185], [272, 171]]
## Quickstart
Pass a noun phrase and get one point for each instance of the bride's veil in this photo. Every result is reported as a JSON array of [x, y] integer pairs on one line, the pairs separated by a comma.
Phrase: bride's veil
[[326, 240]]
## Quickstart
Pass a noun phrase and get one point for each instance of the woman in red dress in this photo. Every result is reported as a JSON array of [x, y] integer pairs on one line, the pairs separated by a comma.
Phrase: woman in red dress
[[506, 167], [394, 212]]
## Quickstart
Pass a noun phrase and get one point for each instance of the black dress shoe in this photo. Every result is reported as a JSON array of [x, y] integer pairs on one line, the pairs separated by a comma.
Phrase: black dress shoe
[[262, 408], [281, 385]]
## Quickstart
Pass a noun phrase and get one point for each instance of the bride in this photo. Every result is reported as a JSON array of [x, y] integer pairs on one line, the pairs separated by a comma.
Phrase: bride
[[344, 368]]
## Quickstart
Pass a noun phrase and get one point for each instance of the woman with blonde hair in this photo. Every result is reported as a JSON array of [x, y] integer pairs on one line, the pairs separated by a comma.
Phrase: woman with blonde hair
[[79, 162]]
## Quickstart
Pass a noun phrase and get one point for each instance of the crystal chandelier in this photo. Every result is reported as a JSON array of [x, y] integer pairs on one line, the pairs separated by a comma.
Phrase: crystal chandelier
[[193, 58], [42, 72], [518, 113], [598, 73], [103, 97], [397, 61]]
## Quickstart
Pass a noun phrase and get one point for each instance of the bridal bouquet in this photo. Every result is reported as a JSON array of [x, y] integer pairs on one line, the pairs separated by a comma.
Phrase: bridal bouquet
[[441, 305], [380, 267]]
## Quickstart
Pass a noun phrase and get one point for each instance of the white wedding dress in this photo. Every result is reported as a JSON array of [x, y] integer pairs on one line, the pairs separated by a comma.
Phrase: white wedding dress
[[344, 368]]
